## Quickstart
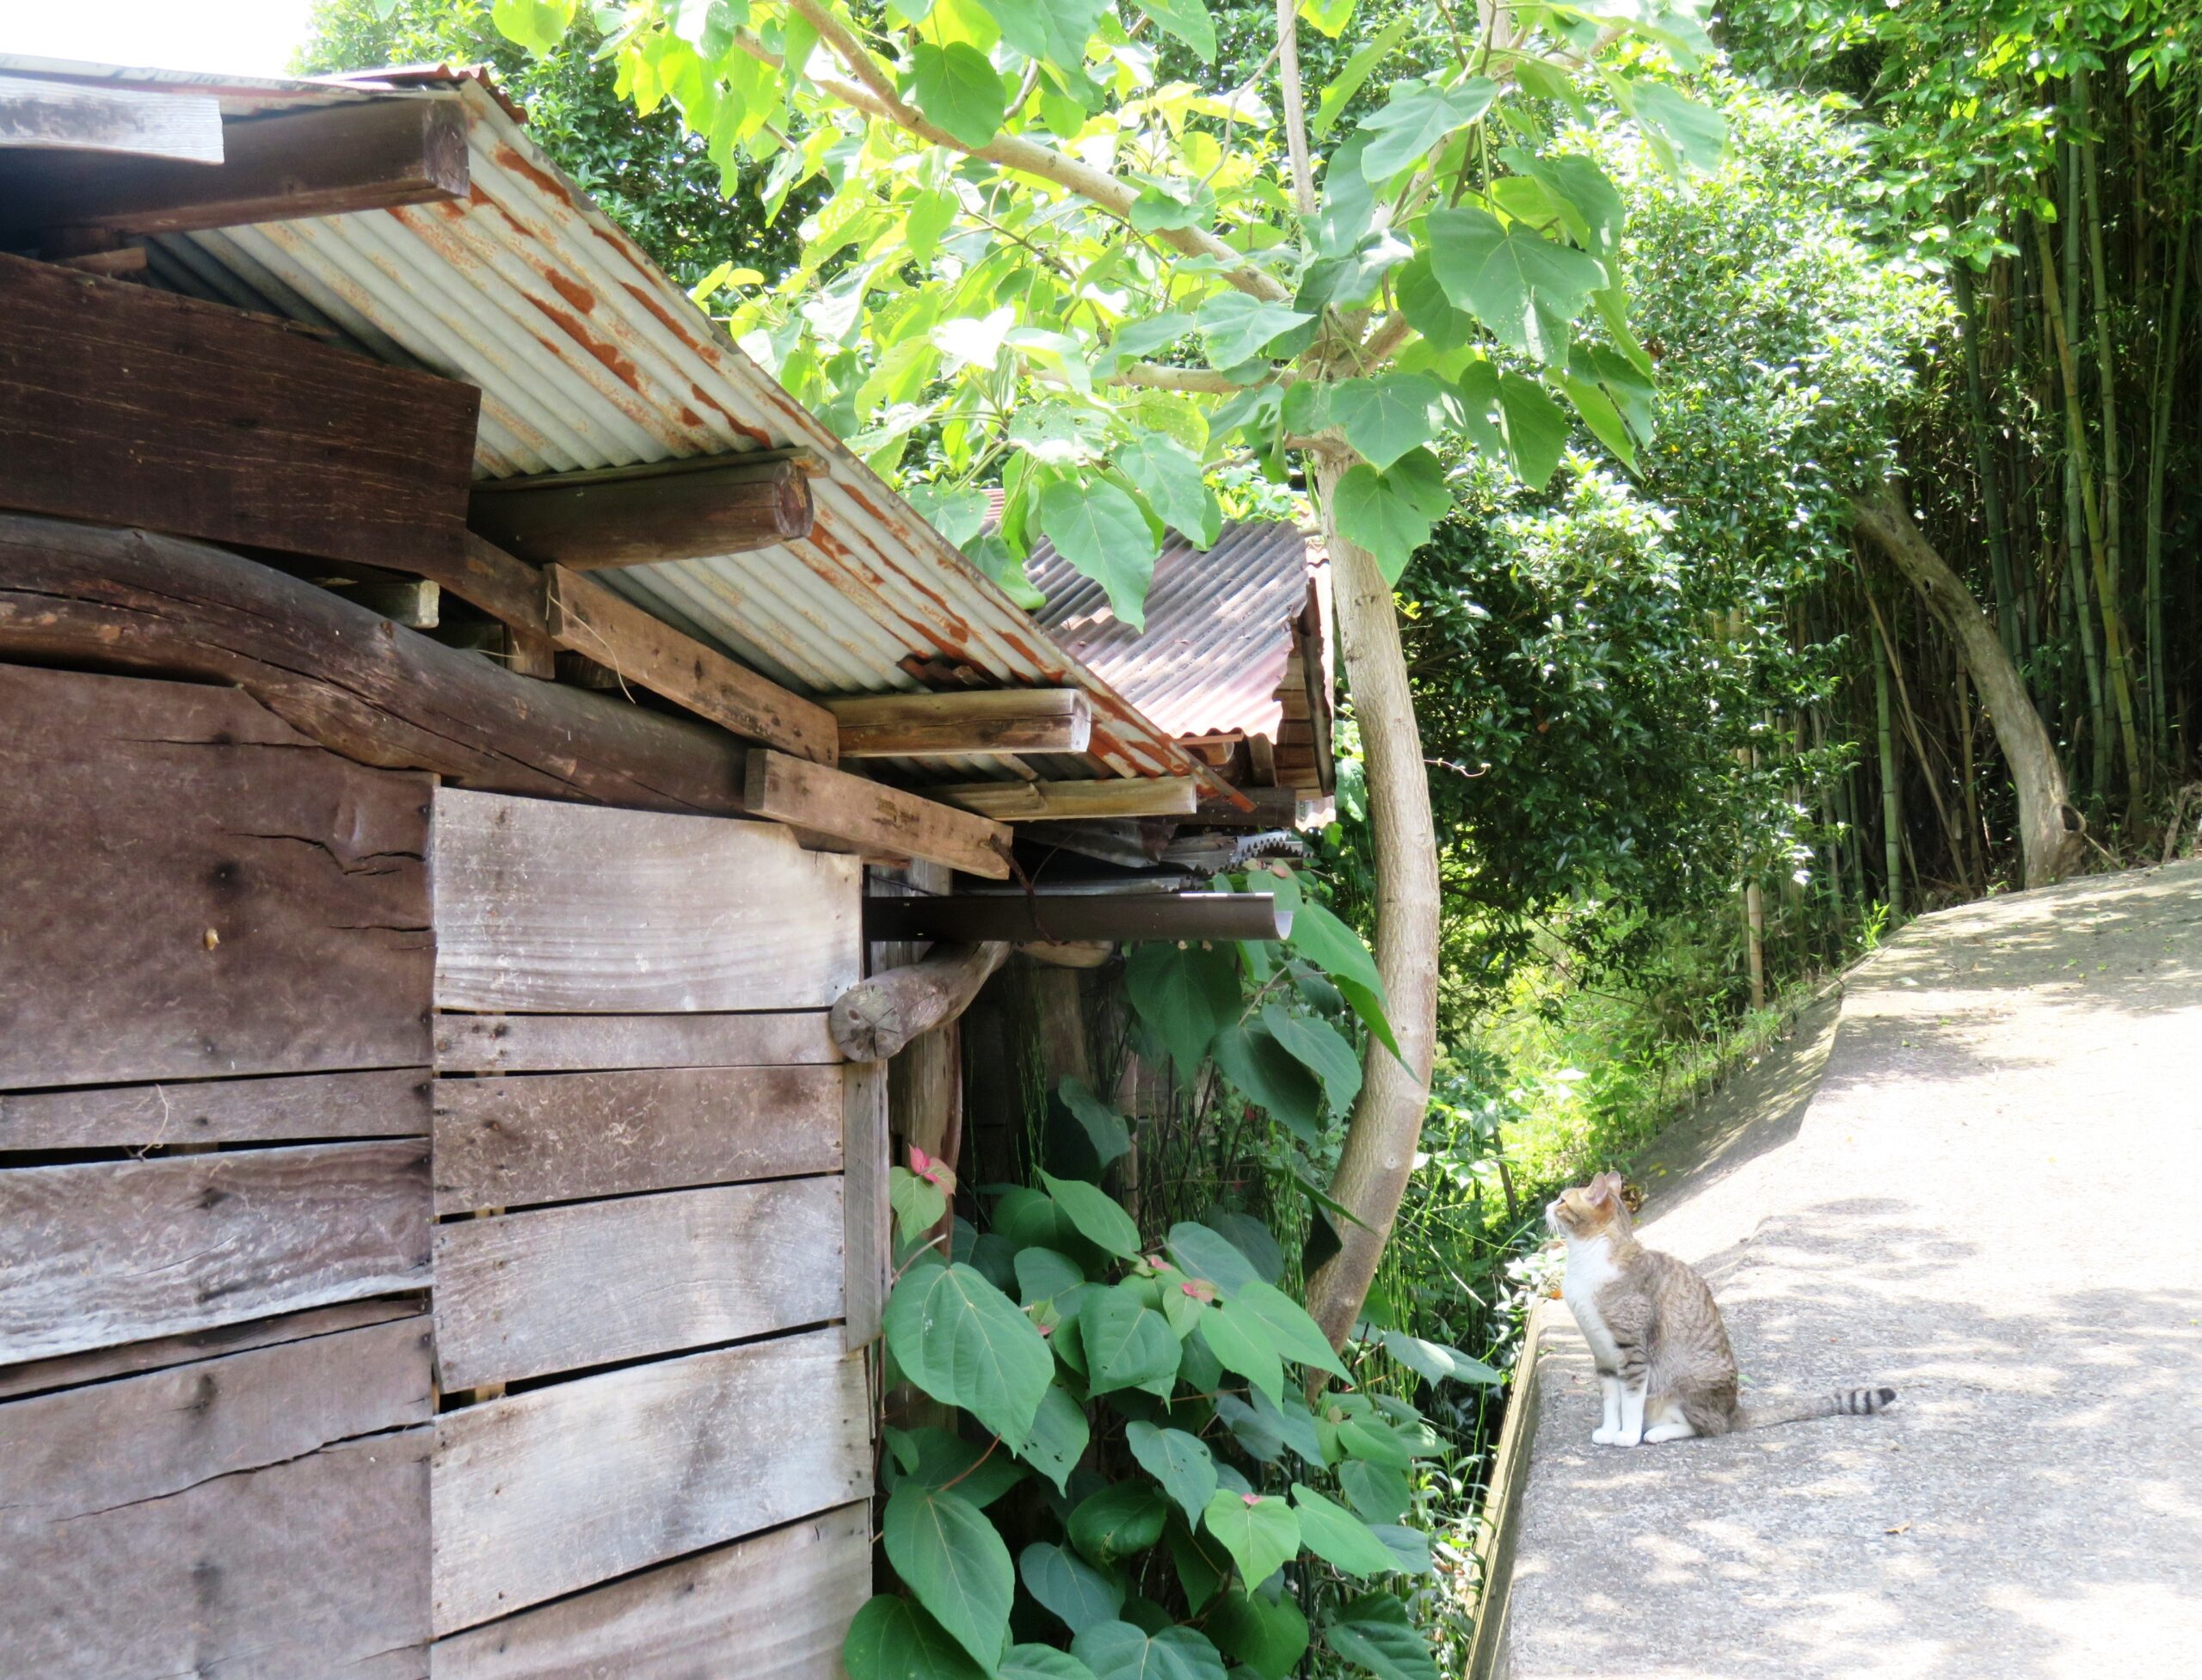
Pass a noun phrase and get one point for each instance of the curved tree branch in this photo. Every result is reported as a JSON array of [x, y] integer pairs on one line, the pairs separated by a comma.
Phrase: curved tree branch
[[1295, 105]]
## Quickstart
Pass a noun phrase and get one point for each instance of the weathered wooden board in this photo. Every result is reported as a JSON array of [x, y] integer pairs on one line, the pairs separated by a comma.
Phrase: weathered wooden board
[[773, 1607], [317, 1566], [964, 723], [574, 1043], [68, 116], [559, 1137], [89, 1450], [92, 595], [390, 1102], [195, 890], [879, 820], [249, 1515], [552, 908], [868, 1240], [121, 1250], [564, 1288], [67, 1371], [130, 406], [543, 1493]]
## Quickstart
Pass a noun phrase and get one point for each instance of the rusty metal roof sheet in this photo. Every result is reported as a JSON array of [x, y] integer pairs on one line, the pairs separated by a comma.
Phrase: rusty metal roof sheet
[[1219, 628], [587, 356]]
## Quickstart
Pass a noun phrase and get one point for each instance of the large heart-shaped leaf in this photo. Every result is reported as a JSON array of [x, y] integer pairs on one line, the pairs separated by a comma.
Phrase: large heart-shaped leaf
[[1170, 479], [1269, 1637], [1188, 19], [954, 1562], [1181, 1462], [1317, 933], [1105, 1129], [1127, 1344], [1698, 134], [1375, 1632], [956, 89], [1058, 1439], [1094, 1214], [536, 25], [1391, 514], [1436, 1361], [1185, 996], [1042, 1274], [1054, 30], [1118, 1651], [1378, 1492], [1257, 1064], [965, 1343], [1524, 287], [1042, 1661], [939, 1457], [1320, 1048], [1409, 1547], [1099, 530], [1070, 1588], [1419, 117], [1260, 1531], [1386, 416], [1204, 1252], [1241, 1343], [1536, 429], [1294, 1334], [1117, 1521], [892, 1639], [1338, 1536], [1235, 326]]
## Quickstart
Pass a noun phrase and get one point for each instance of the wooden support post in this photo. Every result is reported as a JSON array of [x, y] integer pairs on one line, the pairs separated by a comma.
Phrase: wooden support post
[[1127, 796], [326, 160], [633, 516], [70, 116], [964, 723], [875, 1018], [586, 618], [881, 821]]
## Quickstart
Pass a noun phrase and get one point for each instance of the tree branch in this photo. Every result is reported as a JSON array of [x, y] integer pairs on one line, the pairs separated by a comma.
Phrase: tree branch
[[1296, 107], [873, 93]]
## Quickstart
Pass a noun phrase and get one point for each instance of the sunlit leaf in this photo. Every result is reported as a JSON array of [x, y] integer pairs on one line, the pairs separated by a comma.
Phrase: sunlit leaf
[[958, 90], [1262, 1533]]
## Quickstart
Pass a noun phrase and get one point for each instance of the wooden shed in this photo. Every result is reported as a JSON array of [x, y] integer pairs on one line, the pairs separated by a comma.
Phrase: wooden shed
[[452, 703]]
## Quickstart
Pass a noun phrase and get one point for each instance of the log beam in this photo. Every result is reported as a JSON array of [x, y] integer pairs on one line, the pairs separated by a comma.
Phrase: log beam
[[879, 821], [963, 723], [103, 598], [875, 1018], [1032, 801], [634, 516], [1077, 918], [328, 161]]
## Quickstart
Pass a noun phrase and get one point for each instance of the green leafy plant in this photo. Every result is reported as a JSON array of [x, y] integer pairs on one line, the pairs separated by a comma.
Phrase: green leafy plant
[[1195, 1478]]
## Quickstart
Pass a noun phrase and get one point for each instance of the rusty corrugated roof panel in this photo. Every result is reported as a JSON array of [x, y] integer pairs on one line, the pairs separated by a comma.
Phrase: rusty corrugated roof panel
[[589, 357], [1219, 628]]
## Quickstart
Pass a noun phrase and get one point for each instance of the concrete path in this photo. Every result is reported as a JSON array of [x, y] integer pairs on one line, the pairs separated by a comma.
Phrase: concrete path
[[1993, 1200]]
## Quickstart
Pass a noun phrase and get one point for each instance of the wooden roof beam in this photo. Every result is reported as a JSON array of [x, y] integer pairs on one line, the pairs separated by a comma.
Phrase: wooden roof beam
[[1077, 918], [634, 516], [964, 723], [1038, 802], [875, 819], [324, 160], [69, 116]]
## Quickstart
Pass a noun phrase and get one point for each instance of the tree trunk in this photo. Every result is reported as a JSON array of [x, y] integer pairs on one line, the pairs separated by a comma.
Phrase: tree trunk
[[1387, 1123], [2047, 822], [1891, 815]]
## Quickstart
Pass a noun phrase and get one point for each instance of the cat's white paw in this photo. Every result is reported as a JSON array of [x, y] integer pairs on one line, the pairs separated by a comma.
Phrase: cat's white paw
[[1660, 1434], [1627, 1438], [1603, 1438]]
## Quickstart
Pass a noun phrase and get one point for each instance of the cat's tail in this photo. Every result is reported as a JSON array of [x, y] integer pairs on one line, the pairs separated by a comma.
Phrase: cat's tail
[[1840, 1403]]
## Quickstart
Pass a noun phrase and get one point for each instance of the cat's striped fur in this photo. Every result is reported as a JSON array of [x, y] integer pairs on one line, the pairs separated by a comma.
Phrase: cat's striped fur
[[1665, 1369]]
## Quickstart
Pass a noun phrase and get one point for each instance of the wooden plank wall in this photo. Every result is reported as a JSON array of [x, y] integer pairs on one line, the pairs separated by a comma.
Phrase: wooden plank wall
[[216, 1207], [661, 1224]]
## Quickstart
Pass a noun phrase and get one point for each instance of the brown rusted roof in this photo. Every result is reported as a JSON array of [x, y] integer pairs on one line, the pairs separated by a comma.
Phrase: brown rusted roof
[[1220, 628]]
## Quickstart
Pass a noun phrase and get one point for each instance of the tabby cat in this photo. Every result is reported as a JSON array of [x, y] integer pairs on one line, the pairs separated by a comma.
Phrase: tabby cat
[[1665, 1369]]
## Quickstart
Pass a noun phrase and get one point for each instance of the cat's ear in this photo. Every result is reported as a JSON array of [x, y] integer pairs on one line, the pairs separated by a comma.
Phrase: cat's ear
[[1606, 1187]]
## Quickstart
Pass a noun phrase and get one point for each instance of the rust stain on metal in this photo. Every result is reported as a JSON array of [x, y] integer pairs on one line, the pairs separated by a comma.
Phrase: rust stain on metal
[[621, 369], [572, 291], [543, 180]]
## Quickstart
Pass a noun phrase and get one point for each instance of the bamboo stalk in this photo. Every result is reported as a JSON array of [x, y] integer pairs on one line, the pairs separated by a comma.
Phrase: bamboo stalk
[[1891, 830], [1984, 465], [2159, 451]]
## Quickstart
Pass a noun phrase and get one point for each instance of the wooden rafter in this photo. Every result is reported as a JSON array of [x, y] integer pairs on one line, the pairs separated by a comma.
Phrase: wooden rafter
[[634, 516], [1032, 802], [881, 822], [965, 722]]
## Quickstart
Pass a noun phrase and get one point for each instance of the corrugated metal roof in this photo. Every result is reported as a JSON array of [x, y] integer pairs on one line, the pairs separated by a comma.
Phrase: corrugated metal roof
[[587, 356], [1219, 628]]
